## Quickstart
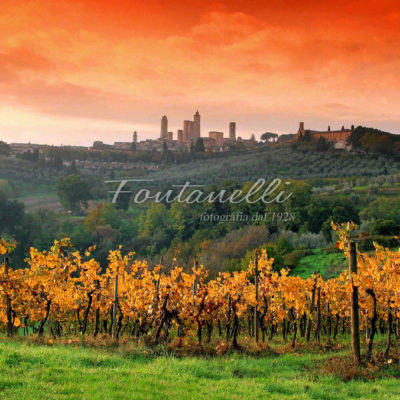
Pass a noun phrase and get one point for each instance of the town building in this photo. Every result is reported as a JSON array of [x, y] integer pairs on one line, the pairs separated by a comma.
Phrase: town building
[[330, 135], [164, 127], [180, 136], [19, 148], [191, 132], [196, 127], [232, 131], [217, 136], [187, 131]]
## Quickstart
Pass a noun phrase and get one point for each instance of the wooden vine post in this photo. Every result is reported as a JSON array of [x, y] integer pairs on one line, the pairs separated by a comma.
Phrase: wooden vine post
[[8, 303], [318, 324], [355, 318], [311, 309], [97, 321], [115, 307], [256, 255]]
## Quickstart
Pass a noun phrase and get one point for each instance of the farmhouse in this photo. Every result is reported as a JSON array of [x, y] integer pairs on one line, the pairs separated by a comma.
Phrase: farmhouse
[[341, 135]]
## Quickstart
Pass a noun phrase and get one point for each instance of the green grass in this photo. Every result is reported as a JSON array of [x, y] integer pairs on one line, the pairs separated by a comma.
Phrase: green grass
[[67, 372], [328, 264]]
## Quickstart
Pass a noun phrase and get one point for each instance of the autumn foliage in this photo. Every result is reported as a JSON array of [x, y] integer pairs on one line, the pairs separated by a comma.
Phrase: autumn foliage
[[66, 292]]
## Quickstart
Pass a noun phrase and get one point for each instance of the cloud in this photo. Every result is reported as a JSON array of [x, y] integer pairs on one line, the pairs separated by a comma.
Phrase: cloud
[[259, 63], [225, 28], [20, 58]]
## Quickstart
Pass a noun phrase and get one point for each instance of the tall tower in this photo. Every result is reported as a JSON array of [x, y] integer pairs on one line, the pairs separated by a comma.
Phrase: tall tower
[[180, 136], [187, 131], [135, 137], [232, 131], [164, 127], [196, 127]]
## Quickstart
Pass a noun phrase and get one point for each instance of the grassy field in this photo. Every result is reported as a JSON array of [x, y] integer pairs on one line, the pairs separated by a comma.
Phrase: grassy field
[[33, 371], [48, 201], [328, 264]]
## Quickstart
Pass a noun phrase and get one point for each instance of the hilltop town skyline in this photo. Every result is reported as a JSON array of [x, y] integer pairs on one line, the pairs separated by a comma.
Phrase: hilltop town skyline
[[180, 135], [105, 131]]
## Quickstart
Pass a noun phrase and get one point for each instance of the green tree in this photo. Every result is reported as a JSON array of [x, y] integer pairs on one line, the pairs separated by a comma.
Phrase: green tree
[[322, 144], [154, 220], [269, 137], [4, 148], [104, 214], [5, 187], [320, 213], [199, 146], [11, 214], [384, 227], [74, 193], [382, 208]]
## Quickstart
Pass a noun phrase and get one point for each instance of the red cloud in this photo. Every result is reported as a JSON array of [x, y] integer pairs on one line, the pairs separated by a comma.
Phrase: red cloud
[[135, 60]]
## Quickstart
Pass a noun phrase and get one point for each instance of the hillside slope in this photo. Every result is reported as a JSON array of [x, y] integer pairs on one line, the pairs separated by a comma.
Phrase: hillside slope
[[285, 161]]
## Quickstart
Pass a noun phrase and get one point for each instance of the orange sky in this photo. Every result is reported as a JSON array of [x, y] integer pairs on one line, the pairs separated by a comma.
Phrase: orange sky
[[72, 71]]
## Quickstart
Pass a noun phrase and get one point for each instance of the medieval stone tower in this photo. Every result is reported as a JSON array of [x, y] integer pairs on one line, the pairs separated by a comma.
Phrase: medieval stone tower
[[180, 136], [196, 127], [164, 128], [187, 131], [232, 131]]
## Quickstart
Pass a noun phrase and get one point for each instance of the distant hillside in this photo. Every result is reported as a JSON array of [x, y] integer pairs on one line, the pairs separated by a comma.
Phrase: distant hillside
[[376, 141], [295, 161], [285, 160]]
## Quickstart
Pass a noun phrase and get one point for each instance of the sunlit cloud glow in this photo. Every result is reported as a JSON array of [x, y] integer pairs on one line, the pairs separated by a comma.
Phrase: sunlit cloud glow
[[72, 72]]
